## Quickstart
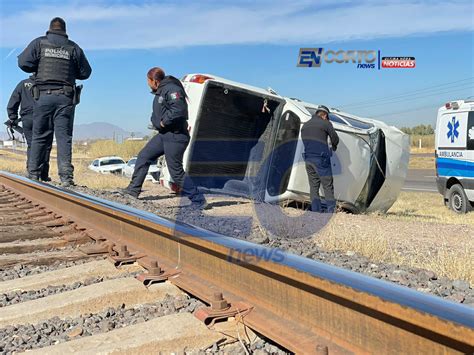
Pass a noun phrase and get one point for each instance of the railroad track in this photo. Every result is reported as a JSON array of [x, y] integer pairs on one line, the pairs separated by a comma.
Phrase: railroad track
[[302, 305]]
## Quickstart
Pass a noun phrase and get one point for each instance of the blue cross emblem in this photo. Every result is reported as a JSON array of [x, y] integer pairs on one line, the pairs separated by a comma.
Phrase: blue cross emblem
[[453, 129]]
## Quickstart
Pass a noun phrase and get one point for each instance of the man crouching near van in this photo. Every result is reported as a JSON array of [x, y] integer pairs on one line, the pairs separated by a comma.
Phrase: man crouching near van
[[317, 157]]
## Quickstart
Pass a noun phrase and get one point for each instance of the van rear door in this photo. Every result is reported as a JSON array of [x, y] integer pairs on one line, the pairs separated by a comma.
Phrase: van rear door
[[451, 144], [469, 185]]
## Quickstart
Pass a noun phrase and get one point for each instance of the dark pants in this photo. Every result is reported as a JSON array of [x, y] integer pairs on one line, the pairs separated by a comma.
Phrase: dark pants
[[27, 124], [53, 115], [172, 145], [319, 172]]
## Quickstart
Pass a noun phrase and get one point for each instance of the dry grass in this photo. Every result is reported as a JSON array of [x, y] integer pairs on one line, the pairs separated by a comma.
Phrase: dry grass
[[421, 162], [425, 207], [15, 163], [126, 150], [375, 244], [427, 141], [370, 243], [457, 265], [416, 150], [12, 165], [415, 232], [85, 177]]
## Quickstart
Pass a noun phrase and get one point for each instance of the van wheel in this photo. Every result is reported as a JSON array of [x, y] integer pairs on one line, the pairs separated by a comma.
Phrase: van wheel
[[458, 201]]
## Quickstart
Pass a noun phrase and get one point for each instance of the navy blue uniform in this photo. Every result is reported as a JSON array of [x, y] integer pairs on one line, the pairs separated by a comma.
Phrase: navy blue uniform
[[21, 100], [57, 62], [317, 158], [170, 110]]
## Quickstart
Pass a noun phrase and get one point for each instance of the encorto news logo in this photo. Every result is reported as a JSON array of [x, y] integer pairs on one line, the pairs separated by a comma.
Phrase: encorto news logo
[[364, 59], [314, 57], [398, 62]]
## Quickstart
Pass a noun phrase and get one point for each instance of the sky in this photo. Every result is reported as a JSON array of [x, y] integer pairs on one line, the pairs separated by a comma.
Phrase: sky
[[256, 43]]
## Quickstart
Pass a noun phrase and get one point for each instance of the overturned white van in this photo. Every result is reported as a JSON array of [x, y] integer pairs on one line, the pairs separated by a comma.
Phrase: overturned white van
[[246, 141]]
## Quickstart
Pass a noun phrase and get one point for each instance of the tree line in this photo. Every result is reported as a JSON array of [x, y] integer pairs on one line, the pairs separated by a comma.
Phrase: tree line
[[421, 130]]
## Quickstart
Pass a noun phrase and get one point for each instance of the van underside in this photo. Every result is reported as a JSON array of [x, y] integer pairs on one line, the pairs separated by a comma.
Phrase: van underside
[[232, 138]]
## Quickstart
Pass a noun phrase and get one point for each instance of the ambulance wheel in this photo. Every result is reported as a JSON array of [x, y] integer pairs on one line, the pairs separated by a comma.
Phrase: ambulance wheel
[[458, 201]]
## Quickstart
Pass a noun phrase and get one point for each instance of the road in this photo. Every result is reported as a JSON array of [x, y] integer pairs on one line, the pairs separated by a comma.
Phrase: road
[[420, 180]]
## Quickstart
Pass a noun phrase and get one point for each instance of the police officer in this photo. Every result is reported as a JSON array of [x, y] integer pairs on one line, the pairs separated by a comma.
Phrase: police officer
[[169, 117], [317, 157], [57, 62], [21, 99]]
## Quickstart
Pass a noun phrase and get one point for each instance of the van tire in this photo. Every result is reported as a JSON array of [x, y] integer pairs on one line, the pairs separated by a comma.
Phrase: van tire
[[458, 201]]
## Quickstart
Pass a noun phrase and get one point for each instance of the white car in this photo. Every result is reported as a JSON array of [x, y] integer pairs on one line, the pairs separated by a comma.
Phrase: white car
[[108, 165], [153, 172]]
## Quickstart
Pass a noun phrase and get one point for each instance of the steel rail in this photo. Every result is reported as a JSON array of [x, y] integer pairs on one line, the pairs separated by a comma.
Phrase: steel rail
[[303, 305]]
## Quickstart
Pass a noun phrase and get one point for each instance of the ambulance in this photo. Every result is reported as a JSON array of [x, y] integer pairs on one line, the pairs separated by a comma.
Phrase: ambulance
[[455, 154], [246, 141]]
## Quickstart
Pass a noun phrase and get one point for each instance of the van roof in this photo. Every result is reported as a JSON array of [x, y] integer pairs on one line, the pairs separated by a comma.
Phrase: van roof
[[456, 105]]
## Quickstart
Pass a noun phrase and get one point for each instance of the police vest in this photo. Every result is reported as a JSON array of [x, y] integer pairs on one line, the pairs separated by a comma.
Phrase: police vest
[[56, 64]]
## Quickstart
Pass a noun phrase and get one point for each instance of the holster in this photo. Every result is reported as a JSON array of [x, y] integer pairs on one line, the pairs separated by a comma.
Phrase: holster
[[76, 99], [35, 92]]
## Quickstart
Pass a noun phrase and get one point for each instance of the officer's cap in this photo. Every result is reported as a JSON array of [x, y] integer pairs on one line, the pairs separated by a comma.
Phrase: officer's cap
[[322, 108]]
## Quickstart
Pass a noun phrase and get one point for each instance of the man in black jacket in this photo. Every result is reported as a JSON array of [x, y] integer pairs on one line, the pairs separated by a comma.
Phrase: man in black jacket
[[317, 157], [170, 118], [22, 100], [57, 62]]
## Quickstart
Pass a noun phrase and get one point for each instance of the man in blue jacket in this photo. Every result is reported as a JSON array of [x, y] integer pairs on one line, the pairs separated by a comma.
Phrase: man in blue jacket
[[170, 118], [57, 62], [21, 100]]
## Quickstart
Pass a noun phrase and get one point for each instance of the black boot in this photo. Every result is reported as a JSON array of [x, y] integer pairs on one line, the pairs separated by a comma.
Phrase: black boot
[[128, 193]]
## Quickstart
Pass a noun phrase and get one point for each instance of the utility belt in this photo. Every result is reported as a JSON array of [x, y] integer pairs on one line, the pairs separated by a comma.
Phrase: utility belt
[[74, 91], [175, 131]]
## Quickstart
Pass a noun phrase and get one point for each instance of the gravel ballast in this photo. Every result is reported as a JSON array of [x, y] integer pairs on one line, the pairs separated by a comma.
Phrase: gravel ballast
[[17, 338], [18, 271], [55, 330]]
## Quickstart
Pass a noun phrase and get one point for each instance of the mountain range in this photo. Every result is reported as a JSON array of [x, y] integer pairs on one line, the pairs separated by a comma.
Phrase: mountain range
[[95, 130]]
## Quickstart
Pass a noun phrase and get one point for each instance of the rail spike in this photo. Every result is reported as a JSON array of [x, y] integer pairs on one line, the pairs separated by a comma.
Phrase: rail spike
[[123, 256], [221, 309], [154, 272]]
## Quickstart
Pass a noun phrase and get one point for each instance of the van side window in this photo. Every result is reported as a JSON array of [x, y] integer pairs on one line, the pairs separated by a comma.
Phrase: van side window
[[332, 117], [470, 131], [336, 118], [358, 124]]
